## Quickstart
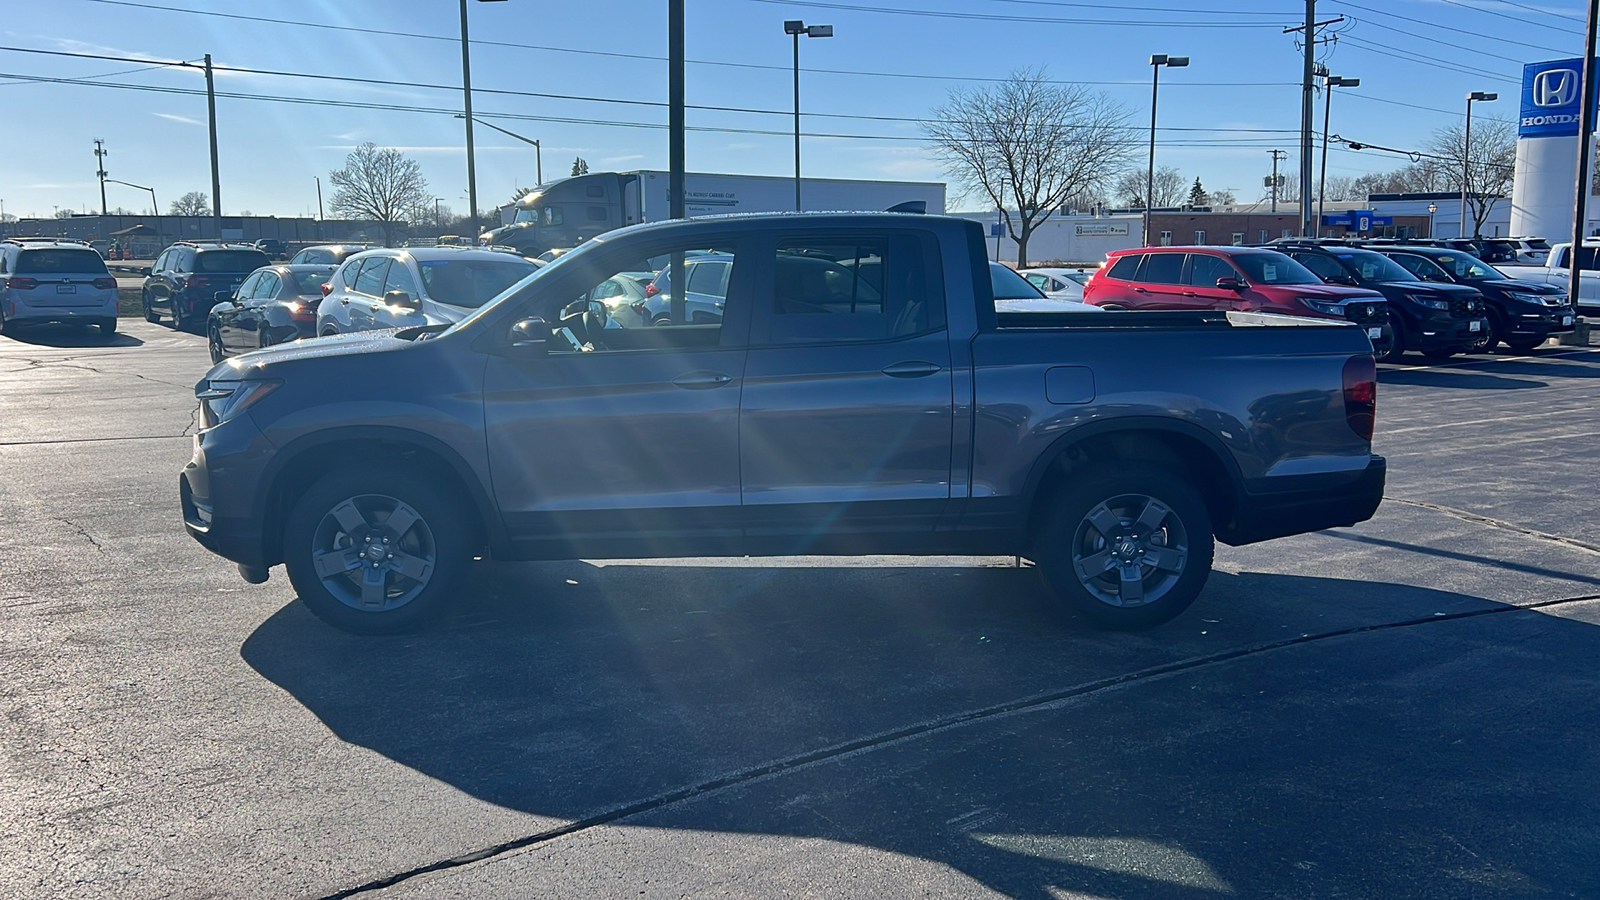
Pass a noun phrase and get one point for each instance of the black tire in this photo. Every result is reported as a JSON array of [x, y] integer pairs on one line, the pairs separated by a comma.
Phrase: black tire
[[214, 345], [425, 559], [1397, 345], [150, 314], [1523, 345], [1160, 531], [107, 327], [1440, 353], [1492, 339], [179, 321]]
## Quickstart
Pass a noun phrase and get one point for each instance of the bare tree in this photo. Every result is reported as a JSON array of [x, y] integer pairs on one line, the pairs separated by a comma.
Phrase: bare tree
[[194, 203], [1170, 187], [1029, 145], [380, 184], [1223, 197], [1485, 165]]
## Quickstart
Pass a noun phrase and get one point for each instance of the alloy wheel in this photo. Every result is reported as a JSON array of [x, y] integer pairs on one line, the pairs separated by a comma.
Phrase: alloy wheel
[[1130, 550]]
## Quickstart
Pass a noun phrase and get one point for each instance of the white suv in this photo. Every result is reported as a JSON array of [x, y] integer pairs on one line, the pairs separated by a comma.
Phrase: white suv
[[407, 287], [55, 280]]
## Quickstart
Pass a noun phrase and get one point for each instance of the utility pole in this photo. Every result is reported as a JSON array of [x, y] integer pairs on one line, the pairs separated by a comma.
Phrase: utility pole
[[319, 197], [1276, 156], [1586, 110], [1307, 97], [100, 164], [675, 125], [466, 92], [216, 175]]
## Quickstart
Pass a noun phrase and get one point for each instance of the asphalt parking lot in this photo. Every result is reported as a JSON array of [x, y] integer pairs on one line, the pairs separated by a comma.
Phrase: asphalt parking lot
[[1408, 708]]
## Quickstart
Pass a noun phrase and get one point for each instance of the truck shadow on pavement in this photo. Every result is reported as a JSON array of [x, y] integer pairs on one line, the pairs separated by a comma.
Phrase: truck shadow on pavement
[[1472, 379], [1390, 762]]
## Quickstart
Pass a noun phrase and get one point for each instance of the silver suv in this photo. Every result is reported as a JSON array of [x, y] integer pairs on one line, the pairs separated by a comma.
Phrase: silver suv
[[407, 287], [55, 280]]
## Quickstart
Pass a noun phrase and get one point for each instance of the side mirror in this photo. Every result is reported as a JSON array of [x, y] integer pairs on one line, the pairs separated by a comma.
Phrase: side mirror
[[1229, 283], [530, 333], [403, 300], [145, 271], [327, 288]]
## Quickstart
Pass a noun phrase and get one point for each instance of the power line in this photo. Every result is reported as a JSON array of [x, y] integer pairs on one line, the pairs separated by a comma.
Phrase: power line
[[1502, 15], [573, 97], [1424, 59], [1453, 30], [635, 57], [1545, 12], [994, 17]]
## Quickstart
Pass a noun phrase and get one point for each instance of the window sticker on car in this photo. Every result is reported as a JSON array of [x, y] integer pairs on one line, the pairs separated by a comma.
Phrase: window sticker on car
[[1269, 272]]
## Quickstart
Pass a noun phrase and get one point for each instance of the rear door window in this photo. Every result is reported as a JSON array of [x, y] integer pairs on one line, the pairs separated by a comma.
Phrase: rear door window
[[862, 289], [1161, 268], [60, 262]]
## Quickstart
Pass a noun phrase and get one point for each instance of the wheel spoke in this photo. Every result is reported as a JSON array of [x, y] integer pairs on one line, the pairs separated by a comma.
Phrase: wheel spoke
[[1165, 559], [401, 520], [373, 582], [349, 518], [1132, 586], [336, 562], [412, 567], [1094, 565], [1149, 520], [1104, 521]]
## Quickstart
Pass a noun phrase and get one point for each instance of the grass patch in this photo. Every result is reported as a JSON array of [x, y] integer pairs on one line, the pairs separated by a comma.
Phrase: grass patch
[[129, 303]]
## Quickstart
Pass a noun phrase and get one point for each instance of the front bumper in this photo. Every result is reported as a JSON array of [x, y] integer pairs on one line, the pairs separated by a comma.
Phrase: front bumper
[[1541, 323], [1312, 503], [216, 491], [1449, 333]]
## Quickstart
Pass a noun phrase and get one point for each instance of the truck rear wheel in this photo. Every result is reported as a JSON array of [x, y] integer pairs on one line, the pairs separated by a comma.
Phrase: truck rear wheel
[[376, 550], [1128, 546]]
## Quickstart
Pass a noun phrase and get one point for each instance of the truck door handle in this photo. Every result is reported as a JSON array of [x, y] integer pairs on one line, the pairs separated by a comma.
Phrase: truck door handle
[[1140, 290], [702, 380], [1189, 293], [912, 369]]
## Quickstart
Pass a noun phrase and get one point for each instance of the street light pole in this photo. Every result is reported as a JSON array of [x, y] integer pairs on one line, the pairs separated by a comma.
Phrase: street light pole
[[466, 95], [538, 151], [795, 28], [1466, 157], [1329, 83], [1156, 62]]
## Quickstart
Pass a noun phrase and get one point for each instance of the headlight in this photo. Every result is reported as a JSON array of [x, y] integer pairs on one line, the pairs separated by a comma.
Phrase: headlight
[[1525, 297], [1323, 306], [222, 400], [1428, 302]]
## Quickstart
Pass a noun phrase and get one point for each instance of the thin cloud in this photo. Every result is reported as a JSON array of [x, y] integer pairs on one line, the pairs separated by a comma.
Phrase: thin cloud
[[176, 118]]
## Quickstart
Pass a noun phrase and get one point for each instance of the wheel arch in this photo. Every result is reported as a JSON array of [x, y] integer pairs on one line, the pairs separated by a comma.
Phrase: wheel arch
[[303, 461], [1181, 447]]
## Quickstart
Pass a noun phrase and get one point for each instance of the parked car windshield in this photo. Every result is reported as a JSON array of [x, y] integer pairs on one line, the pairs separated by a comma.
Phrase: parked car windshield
[[310, 282], [52, 262], [1374, 266], [1008, 285], [1465, 266], [471, 283], [230, 261], [1271, 267]]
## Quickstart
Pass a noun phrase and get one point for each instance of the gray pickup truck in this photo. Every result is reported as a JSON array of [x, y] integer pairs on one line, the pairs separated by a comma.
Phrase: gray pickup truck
[[841, 385]]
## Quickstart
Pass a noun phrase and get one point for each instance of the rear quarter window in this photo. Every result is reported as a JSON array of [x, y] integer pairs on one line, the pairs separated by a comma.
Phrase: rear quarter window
[[231, 261], [1125, 267]]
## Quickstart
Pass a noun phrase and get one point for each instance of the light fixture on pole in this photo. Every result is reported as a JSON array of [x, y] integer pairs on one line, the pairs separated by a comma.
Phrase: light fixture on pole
[[154, 209], [1329, 82], [1432, 208], [466, 96], [1156, 62], [795, 28], [538, 151], [1466, 156]]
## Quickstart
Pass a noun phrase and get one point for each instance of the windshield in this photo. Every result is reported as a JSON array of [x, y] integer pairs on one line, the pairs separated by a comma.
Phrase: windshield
[[1272, 267], [527, 215], [1373, 266], [52, 262], [1008, 285], [1465, 266], [310, 283], [1078, 277], [471, 283], [230, 261]]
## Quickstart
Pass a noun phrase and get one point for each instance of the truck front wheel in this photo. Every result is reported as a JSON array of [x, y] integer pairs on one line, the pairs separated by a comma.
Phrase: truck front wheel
[[1128, 546], [376, 550]]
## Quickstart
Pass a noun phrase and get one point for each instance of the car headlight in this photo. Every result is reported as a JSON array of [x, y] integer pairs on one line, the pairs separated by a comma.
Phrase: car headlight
[[1428, 302], [1330, 307], [222, 400]]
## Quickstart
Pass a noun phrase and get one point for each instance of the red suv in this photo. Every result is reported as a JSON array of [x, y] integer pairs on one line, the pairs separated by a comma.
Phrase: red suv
[[1246, 279]]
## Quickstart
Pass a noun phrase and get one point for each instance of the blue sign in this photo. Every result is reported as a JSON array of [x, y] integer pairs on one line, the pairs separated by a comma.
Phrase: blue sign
[[1551, 94], [1357, 219]]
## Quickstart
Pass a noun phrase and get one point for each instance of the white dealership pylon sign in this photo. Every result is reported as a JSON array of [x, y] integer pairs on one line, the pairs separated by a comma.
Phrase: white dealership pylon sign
[[1543, 190]]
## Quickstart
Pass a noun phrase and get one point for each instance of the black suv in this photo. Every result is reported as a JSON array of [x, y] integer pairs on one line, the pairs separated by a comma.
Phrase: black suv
[[1522, 314], [1440, 320], [273, 248], [190, 278]]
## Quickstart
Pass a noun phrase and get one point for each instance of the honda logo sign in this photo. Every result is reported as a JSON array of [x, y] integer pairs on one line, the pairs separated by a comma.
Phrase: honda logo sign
[[1555, 87]]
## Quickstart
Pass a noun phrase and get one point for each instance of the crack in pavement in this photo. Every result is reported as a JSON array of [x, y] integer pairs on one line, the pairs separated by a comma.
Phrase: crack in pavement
[[835, 752], [66, 363], [1499, 523], [81, 530]]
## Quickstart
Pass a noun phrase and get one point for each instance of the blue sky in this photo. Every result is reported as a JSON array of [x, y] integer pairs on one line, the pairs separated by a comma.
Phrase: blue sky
[[1238, 99]]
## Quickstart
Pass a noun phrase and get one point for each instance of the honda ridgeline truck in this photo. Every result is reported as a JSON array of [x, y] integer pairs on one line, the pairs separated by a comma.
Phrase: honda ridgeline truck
[[854, 393]]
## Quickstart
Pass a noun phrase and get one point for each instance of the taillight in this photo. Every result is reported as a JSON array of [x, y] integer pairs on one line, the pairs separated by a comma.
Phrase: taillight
[[106, 284], [650, 290], [1361, 394], [302, 312], [22, 283]]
